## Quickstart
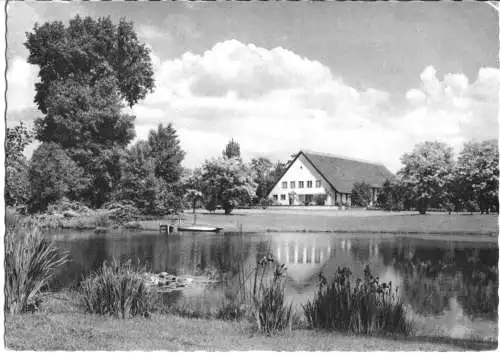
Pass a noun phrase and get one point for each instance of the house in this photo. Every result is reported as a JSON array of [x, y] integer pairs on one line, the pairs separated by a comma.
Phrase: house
[[325, 179]]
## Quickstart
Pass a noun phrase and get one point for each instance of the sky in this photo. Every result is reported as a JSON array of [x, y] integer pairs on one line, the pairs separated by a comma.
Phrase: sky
[[363, 80]]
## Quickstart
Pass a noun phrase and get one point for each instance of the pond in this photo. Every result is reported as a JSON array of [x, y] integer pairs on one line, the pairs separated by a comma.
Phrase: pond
[[450, 288]]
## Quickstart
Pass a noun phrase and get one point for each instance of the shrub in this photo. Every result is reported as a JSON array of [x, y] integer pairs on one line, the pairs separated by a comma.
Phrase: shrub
[[365, 307], [320, 199], [31, 261], [117, 289]]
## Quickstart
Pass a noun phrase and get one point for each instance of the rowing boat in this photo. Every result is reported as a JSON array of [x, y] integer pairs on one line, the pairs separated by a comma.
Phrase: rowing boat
[[196, 228]]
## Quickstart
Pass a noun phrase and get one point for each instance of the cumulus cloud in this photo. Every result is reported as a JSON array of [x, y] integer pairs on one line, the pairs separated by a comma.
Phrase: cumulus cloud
[[275, 102], [21, 78], [452, 109]]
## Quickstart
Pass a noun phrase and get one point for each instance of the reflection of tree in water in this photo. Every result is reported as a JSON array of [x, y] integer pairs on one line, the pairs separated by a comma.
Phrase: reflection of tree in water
[[479, 296], [86, 255], [433, 275]]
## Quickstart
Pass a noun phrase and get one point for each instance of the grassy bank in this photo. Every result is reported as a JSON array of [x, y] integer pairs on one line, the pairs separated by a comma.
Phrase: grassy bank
[[356, 221], [61, 326]]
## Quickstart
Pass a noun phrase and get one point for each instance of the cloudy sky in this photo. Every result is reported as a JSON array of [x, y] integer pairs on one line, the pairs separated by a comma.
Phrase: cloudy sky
[[356, 79]]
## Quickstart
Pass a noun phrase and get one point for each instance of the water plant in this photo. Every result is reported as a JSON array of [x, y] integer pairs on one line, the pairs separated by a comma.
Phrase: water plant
[[271, 311], [361, 307], [31, 261], [117, 289]]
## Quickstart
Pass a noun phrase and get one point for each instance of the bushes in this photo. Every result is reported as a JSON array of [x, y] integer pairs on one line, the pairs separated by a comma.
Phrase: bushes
[[30, 263], [117, 289], [271, 312], [365, 307]]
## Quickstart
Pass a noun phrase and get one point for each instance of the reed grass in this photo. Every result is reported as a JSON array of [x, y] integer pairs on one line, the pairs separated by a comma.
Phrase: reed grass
[[117, 289], [271, 311], [361, 307], [31, 261]]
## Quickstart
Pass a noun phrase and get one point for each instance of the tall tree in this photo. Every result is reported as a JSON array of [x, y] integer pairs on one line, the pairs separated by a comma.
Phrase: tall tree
[[167, 153], [426, 173], [139, 183], [17, 190], [87, 50], [477, 174], [87, 68], [232, 150]]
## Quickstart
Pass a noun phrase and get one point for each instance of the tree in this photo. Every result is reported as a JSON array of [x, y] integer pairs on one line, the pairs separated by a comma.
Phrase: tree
[[426, 173], [88, 50], [232, 150], [166, 151], [226, 182], [86, 69], [192, 184], [16, 173], [261, 168], [477, 174], [53, 175], [361, 194], [392, 195], [277, 171], [139, 183]]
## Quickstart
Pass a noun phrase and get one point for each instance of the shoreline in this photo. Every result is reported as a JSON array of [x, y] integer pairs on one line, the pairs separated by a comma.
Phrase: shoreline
[[60, 324]]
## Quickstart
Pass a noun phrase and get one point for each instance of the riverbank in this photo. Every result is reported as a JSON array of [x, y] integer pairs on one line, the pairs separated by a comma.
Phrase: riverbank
[[352, 221], [62, 326]]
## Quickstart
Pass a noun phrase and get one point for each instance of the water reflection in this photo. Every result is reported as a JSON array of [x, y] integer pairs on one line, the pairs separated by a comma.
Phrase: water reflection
[[434, 277]]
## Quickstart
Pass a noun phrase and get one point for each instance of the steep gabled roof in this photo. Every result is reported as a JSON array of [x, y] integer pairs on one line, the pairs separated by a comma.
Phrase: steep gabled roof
[[342, 173]]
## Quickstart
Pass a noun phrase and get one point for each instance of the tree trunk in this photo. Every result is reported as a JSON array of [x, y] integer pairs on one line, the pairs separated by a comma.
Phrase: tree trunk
[[422, 206]]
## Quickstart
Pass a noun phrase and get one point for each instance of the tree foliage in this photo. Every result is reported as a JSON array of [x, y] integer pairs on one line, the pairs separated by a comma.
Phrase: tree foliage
[[361, 194], [427, 174], [151, 173], [16, 165], [232, 150], [166, 151], [53, 175], [226, 182], [477, 174], [89, 50], [87, 68], [262, 169]]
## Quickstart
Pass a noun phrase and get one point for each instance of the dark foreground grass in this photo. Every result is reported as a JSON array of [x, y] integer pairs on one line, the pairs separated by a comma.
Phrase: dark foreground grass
[[71, 330]]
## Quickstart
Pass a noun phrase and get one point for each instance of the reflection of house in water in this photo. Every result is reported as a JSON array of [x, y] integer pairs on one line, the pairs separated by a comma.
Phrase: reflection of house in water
[[308, 254]]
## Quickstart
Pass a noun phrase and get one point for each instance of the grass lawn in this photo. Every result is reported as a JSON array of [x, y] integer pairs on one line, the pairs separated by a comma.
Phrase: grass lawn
[[359, 221], [77, 331]]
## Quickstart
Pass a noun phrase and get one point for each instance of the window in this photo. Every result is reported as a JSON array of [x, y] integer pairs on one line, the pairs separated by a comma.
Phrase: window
[[284, 185], [292, 184], [318, 183], [301, 184], [275, 197], [309, 184], [283, 197]]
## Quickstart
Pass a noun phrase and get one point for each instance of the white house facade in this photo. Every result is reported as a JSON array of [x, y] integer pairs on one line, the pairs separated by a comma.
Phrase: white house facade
[[324, 179]]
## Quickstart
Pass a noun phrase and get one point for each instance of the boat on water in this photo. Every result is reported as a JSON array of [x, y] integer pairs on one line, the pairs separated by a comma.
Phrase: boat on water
[[198, 228]]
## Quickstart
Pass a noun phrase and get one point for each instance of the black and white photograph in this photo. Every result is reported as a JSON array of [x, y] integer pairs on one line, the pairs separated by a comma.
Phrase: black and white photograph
[[251, 175]]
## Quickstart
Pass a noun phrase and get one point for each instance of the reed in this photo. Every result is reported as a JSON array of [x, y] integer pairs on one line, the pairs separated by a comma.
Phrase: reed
[[31, 261], [270, 309], [361, 307], [118, 289]]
